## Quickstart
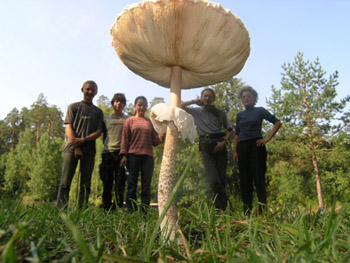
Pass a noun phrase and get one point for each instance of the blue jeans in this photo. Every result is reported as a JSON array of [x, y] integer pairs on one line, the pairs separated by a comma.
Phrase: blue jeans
[[69, 166], [145, 165]]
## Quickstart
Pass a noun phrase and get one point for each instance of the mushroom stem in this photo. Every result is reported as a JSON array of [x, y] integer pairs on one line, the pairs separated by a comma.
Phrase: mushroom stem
[[175, 86], [167, 170]]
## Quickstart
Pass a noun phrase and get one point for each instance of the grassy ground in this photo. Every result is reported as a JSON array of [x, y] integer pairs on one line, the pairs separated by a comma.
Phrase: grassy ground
[[41, 233]]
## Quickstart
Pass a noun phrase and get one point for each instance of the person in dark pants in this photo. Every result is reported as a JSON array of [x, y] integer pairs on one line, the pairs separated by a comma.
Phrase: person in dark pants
[[138, 139], [111, 173], [84, 123], [249, 148], [210, 122]]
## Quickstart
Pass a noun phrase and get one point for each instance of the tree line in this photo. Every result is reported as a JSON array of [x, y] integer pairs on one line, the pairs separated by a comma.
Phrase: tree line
[[308, 161]]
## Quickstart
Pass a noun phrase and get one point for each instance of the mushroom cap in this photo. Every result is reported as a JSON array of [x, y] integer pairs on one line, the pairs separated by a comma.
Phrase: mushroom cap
[[165, 116], [208, 42]]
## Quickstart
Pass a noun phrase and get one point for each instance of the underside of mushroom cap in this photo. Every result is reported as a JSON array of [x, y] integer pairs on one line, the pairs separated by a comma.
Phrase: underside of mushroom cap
[[208, 42], [165, 116]]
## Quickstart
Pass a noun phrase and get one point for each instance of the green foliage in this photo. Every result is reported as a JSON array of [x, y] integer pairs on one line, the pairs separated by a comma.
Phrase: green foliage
[[289, 173], [10, 130], [157, 154], [311, 116], [304, 84], [20, 134], [227, 97], [96, 183], [45, 169], [155, 101], [12, 183], [24, 162], [18, 165], [104, 103], [43, 118], [129, 109], [3, 158], [194, 190], [334, 162]]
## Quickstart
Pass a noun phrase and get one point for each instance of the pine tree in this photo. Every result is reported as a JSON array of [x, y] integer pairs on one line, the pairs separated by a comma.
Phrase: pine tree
[[307, 107], [22, 131], [10, 130], [45, 119]]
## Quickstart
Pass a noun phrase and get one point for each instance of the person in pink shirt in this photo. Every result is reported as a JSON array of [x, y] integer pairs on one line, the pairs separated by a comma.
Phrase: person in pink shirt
[[138, 139]]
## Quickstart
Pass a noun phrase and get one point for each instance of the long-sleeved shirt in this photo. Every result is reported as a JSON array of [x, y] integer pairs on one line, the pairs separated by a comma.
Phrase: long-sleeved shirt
[[249, 122], [139, 137]]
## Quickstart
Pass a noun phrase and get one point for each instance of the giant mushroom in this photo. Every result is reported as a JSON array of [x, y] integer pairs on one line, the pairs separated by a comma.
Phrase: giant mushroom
[[179, 44]]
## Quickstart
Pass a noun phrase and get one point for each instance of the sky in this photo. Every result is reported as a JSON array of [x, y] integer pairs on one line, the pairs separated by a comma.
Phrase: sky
[[54, 46]]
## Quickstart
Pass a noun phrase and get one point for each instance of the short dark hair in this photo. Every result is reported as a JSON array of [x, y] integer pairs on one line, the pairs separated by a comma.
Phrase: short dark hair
[[250, 90], [208, 89], [140, 98], [89, 82], [118, 97]]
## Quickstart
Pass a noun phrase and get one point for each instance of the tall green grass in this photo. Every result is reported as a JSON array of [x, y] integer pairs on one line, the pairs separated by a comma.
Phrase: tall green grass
[[40, 233]]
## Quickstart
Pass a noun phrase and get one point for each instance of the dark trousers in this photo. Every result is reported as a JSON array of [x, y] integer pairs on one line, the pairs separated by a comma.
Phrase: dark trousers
[[215, 167], [69, 166], [145, 165], [111, 175], [252, 169]]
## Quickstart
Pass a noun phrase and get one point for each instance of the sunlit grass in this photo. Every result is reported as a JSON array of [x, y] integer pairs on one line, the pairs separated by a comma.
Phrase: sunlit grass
[[41, 233]]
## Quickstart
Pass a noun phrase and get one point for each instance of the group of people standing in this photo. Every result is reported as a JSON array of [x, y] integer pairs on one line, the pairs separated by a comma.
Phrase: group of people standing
[[249, 145], [129, 142], [128, 148]]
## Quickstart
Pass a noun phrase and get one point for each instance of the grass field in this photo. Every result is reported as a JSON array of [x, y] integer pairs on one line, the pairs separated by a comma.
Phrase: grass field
[[41, 233]]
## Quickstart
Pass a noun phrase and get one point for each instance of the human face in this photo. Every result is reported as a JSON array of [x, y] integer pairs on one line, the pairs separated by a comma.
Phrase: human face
[[140, 107], [207, 98], [118, 106], [89, 90], [247, 99]]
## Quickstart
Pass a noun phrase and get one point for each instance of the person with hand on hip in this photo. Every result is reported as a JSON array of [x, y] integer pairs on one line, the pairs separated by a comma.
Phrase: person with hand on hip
[[249, 148]]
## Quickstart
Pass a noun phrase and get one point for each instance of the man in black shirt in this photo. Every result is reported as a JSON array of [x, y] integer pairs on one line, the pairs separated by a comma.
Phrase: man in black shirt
[[83, 126]]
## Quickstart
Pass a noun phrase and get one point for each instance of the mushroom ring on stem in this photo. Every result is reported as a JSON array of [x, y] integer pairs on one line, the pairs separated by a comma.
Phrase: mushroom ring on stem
[[165, 116]]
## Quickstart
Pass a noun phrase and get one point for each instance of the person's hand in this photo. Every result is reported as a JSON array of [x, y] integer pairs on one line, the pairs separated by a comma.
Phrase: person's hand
[[78, 141], [78, 153], [124, 161], [162, 137], [219, 147], [235, 157], [199, 102], [262, 142]]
